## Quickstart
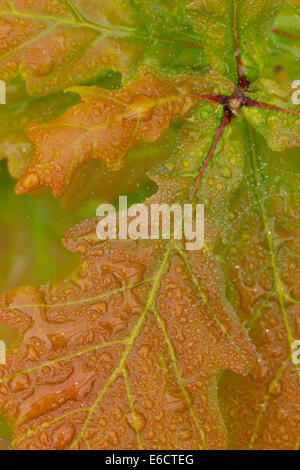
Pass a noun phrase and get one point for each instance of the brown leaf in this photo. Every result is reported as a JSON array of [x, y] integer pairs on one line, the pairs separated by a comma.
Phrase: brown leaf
[[105, 126], [125, 354]]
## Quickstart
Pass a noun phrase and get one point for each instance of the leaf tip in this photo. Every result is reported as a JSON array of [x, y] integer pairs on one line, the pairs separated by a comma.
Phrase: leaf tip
[[29, 182]]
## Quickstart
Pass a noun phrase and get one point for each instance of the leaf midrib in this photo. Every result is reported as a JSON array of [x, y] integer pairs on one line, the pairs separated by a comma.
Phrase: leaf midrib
[[129, 342]]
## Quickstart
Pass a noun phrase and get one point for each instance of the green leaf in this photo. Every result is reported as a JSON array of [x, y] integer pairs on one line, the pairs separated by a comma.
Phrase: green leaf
[[280, 128], [283, 48], [226, 168], [232, 28]]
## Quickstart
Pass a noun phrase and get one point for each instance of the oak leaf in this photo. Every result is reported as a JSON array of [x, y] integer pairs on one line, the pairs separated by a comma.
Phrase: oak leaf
[[124, 354], [52, 45], [18, 112], [56, 44], [261, 262], [117, 120], [238, 24], [164, 319], [106, 125], [280, 132]]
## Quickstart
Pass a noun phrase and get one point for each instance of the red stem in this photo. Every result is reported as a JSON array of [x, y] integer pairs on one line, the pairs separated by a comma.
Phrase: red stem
[[258, 104], [221, 99], [242, 81], [226, 119]]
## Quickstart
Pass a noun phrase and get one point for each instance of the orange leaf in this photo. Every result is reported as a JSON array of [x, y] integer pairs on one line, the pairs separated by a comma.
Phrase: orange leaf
[[105, 126], [125, 354], [55, 44]]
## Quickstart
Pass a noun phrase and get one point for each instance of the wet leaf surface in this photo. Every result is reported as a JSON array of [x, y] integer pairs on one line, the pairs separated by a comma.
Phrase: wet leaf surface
[[147, 345]]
